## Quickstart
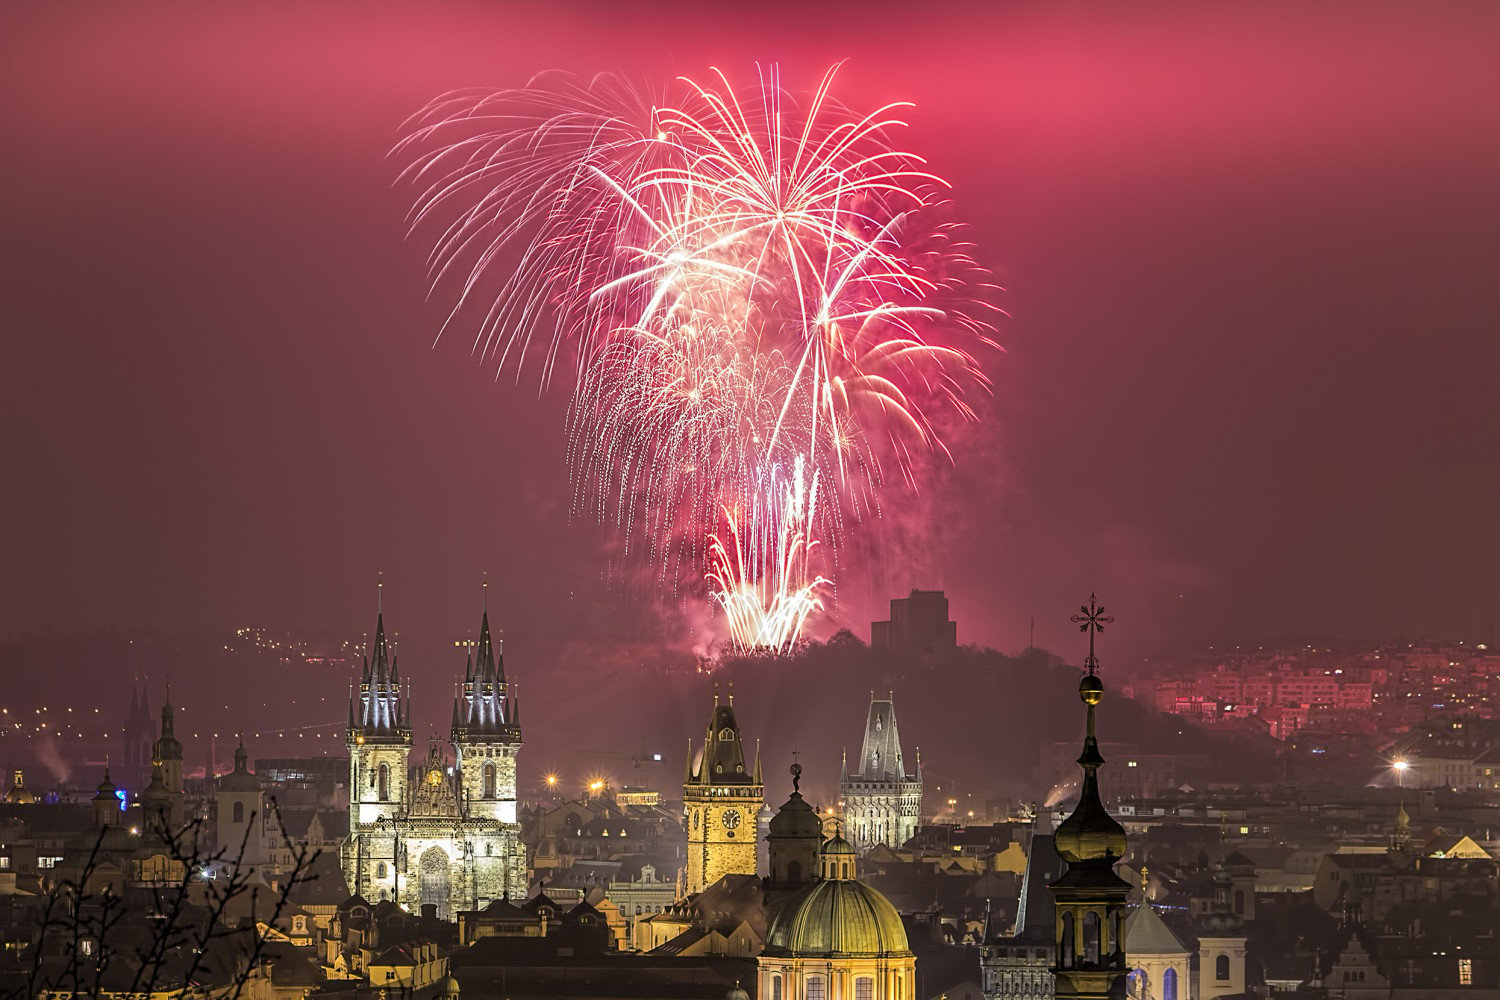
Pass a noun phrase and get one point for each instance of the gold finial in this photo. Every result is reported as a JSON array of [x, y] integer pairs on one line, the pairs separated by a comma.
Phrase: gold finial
[[1145, 884]]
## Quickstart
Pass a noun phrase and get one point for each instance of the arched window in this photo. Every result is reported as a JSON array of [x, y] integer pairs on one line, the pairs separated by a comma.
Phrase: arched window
[[489, 781], [238, 812], [380, 870], [775, 988], [385, 782], [817, 988], [1169, 985], [1091, 938], [489, 850], [864, 988], [1221, 968], [1066, 959]]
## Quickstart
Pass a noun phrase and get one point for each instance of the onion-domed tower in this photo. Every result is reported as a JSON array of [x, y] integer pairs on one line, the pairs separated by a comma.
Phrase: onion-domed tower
[[1091, 910]]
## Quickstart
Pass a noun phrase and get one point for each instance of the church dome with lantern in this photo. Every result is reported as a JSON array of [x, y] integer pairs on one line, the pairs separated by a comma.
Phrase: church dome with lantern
[[836, 929]]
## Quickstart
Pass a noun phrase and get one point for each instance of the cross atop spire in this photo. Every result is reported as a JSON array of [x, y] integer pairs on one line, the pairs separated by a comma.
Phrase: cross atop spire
[[1092, 619]]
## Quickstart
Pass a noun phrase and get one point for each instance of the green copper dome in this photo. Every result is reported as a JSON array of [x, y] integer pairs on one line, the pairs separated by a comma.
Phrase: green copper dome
[[837, 918]]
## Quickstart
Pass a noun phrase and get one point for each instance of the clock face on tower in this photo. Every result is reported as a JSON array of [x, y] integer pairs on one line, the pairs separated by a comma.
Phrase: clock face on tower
[[731, 818]]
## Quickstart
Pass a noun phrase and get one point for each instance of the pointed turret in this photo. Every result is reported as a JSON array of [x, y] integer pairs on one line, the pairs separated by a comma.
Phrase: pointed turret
[[381, 715], [485, 710]]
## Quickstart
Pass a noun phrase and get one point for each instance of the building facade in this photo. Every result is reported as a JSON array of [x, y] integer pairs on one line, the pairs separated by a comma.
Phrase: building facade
[[883, 801], [443, 832], [722, 797]]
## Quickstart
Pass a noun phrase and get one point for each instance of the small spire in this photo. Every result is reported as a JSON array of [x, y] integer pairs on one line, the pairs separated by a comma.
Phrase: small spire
[[1145, 885]]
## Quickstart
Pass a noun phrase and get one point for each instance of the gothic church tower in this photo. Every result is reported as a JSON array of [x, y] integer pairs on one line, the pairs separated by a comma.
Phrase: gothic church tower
[[722, 798], [882, 802], [379, 742], [486, 737]]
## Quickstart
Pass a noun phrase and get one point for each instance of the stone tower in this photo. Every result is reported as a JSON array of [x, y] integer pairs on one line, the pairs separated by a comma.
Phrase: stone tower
[[721, 797], [883, 801], [379, 742], [239, 813], [166, 755], [1090, 897], [486, 737], [135, 765]]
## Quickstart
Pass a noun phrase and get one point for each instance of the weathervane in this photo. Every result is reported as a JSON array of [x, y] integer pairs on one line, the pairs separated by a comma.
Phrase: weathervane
[[1092, 620]]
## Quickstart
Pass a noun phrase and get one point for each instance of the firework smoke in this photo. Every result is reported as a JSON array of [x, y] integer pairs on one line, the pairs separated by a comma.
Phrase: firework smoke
[[762, 305]]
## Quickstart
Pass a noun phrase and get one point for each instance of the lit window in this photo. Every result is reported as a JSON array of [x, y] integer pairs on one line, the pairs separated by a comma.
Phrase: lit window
[[1465, 972]]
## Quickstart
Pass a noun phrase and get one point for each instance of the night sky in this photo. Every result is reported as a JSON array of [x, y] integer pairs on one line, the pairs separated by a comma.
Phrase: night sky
[[1249, 256]]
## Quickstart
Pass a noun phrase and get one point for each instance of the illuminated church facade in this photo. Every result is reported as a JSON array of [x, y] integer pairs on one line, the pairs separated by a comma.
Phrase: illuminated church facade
[[443, 831]]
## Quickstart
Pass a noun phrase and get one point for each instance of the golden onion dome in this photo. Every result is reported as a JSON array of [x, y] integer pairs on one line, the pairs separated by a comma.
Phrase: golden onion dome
[[837, 918]]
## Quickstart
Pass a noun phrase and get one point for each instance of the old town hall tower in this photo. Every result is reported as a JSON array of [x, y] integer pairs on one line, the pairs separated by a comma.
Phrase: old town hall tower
[[722, 798]]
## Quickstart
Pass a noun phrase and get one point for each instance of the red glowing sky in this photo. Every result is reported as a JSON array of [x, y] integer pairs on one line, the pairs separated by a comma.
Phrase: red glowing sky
[[1249, 256]]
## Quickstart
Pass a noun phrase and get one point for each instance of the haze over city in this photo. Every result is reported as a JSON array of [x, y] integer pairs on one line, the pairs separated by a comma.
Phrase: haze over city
[[1193, 314]]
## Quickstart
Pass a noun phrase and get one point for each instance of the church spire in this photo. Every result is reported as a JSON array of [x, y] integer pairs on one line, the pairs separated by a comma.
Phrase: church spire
[[380, 713], [1090, 959], [483, 707]]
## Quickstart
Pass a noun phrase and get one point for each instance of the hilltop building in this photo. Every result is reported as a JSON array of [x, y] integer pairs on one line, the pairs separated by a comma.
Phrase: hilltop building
[[443, 832], [918, 622], [882, 802], [722, 798]]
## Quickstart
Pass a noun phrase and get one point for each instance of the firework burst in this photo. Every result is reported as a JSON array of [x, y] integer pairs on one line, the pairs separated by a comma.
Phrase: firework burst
[[762, 306]]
